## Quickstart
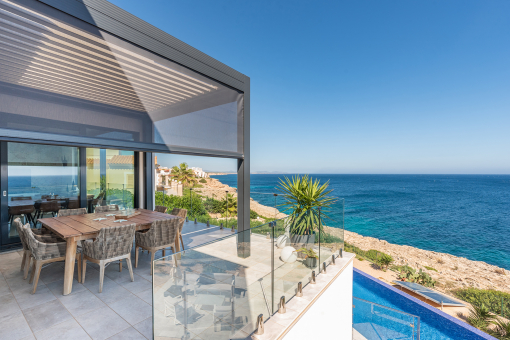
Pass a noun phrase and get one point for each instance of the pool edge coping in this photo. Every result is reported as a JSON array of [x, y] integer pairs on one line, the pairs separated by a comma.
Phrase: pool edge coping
[[427, 306]]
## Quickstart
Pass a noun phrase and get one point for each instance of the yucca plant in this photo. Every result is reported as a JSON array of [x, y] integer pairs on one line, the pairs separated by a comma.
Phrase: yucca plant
[[480, 317], [229, 205], [303, 197], [501, 329]]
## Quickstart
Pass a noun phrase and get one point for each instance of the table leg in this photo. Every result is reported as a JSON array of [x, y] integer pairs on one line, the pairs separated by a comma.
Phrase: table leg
[[176, 244], [69, 265]]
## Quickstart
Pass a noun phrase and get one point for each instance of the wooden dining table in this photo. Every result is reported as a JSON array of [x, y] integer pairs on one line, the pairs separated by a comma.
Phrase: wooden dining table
[[85, 227]]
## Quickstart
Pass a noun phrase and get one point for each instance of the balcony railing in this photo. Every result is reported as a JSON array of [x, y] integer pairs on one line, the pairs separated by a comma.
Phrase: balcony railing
[[219, 289]]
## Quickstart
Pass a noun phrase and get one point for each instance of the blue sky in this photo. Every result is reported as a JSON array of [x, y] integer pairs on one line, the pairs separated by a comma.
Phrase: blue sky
[[361, 86]]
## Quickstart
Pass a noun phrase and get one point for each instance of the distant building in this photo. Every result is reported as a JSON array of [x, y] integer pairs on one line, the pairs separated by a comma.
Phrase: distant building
[[199, 172], [165, 182]]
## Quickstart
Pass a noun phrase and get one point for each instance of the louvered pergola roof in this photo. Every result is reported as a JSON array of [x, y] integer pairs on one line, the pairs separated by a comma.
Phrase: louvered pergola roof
[[43, 53]]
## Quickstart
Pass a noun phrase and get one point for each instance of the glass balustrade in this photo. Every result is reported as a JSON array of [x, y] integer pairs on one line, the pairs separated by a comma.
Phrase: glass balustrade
[[215, 290]]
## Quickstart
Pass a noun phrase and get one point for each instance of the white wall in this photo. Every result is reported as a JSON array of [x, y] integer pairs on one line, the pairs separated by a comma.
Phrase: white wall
[[330, 317]]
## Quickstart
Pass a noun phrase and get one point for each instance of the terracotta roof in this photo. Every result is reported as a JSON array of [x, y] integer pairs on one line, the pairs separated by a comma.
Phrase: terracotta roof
[[121, 159], [117, 159]]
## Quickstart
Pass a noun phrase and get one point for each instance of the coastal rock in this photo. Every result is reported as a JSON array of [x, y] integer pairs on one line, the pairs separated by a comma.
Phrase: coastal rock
[[217, 190], [452, 272]]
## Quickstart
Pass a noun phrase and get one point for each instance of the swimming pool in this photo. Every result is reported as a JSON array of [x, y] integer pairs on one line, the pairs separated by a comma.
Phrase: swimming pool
[[434, 324]]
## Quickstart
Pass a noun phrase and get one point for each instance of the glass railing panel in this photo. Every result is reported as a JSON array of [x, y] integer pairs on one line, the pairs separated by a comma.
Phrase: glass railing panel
[[119, 194], [332, 232], [213, 291], [290, 266], [373, 321]]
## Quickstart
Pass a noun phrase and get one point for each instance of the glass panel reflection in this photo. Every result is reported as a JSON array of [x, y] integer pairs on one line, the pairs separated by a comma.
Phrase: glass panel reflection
[[42, 179], [110, 178]]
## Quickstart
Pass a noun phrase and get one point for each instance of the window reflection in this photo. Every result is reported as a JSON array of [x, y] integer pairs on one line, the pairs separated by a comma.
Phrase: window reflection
[[42, 179], [110, 178]]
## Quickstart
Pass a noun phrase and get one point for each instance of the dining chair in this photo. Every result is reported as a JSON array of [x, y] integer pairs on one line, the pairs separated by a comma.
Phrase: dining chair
[[160, 208], [43, 253], [182, 214], [72, 212], [21, 198], [111, 244], [47, 207], [161, 235], [73, 203], [18, 210], [106, 208], [27, 254]]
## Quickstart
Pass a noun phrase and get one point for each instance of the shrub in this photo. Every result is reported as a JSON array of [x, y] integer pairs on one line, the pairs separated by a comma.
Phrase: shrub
[[494, 300], [384, 261], [120, 195], [182, 202], [253, 215], [480, 317], [501, 329], [213, 206], [375, 256], [328, 238], [409, 274], [203, 180]]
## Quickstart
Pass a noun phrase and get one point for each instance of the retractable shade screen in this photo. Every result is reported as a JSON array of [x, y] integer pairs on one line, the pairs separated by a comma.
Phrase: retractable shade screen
[[61, 76]]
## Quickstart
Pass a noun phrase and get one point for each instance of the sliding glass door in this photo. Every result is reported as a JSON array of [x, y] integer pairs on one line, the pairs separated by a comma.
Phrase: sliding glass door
[[110, 178], [37, 181], [41, 180]]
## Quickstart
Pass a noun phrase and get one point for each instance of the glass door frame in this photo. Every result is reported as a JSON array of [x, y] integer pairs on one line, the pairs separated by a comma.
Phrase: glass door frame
[[7, 242]]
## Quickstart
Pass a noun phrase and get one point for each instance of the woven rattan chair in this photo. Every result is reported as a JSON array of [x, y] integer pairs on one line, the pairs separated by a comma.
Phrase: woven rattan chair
[[182, 214], [47, 207], [72, 212], [19, 210], [106, 208], [112, 244], [27, 254], [161, 235], [161, 209], [44, 252], [73, 203]]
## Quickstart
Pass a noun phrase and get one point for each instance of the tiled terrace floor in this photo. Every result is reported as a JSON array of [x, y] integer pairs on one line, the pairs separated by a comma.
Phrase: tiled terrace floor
[[122, 311]]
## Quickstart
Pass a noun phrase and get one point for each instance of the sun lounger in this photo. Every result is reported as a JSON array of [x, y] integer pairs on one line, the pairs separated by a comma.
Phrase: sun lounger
[[430, 294]]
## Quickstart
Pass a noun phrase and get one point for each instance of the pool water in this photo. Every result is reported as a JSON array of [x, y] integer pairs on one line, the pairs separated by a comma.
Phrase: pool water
[[434, 325]]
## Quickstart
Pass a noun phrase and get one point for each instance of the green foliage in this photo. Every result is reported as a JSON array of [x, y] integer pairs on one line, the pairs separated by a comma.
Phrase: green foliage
[[384, 261], [430, 268], [213, 206], [183, 174], [203, 180], [120, 196], [308, 253], [494, 300], [480, 317], [253, 215], [411, 275], [182, 202], [303, 196], [328, 238], [229, 203], [501, 329]]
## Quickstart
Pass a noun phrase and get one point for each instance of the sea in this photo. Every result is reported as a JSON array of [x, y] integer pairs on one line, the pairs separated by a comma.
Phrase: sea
[[462, 215]]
